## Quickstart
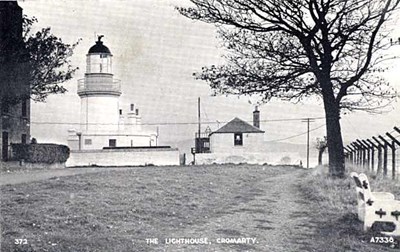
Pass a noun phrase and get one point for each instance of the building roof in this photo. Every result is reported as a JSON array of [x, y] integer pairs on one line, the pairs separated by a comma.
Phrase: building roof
[[99, 47], [238, 126]]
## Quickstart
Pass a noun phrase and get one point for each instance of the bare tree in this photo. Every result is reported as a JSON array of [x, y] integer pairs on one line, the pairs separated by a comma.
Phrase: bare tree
[[295, 49], [321, 146]]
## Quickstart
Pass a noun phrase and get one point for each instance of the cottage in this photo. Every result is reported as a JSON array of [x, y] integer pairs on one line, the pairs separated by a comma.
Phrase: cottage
[[236, 142], [237, 137]]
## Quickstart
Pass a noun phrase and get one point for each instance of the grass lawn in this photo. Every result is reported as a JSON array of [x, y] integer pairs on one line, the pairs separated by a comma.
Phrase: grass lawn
[[118, 210], [336, 211]]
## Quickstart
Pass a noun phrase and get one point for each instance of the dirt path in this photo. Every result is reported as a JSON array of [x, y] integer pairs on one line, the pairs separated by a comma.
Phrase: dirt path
[[19, 177], [277, 218], [269, 209]]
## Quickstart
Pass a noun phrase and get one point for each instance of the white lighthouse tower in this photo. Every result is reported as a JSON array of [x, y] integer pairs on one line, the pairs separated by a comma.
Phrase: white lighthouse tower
[[102, 122], [99, 91]]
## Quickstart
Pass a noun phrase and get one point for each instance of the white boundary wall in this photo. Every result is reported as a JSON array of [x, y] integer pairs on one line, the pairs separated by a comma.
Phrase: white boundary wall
[[249, 158], [124, 157]]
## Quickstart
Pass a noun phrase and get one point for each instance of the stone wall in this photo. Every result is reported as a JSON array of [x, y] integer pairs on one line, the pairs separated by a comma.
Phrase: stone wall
[[124, 157], [283, 158], [16, 165]]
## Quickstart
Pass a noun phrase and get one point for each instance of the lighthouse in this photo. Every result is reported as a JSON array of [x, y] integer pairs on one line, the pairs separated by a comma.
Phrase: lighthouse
[[102, 121], [99, 91]]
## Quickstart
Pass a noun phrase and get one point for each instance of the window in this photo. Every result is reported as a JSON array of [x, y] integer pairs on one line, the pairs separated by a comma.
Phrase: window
[[238, 139], [24, 108], [4, 154], [120, 112], [5, 108], [88, 141], [132, 107], [23, 138], [112, 143]]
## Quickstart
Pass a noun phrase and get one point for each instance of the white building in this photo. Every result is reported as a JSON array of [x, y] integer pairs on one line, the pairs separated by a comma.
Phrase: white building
[[237, 137], [107, 136], [103, 123], [236, 142]]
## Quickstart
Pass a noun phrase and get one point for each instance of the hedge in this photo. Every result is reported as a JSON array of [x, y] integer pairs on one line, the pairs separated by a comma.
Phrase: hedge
[[40, 153]]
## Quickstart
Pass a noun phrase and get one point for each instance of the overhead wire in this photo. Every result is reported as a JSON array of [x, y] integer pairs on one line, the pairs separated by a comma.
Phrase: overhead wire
[[167, 123], [297, 135]]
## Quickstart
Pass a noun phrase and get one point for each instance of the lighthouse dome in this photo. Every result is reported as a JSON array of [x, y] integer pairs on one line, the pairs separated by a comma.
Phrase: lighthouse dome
[[99, 47]]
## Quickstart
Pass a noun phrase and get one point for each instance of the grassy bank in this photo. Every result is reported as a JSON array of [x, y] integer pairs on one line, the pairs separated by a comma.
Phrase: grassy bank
[[285, 208], [335, 211], [118, 210]]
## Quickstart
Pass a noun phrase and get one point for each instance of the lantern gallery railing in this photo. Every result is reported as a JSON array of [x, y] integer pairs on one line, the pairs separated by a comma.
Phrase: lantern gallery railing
[[87, 87]]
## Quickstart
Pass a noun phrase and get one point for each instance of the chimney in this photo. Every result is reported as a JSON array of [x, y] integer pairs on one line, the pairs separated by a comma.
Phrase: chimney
[[256, 117]]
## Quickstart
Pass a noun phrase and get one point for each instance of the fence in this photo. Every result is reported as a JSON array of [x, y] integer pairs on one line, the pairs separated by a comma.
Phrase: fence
[[377, 152]]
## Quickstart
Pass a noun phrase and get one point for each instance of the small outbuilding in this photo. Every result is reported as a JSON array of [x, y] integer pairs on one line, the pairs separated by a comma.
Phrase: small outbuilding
[[236, 142], [237, 137]]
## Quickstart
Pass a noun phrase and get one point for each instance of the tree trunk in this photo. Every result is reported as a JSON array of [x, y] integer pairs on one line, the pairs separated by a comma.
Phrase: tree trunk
[[320, 154], [320, 157], [334, 136]]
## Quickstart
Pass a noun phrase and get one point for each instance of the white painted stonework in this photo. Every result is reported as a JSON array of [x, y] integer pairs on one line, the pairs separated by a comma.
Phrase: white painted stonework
[[223, 150], [105, 122], [224, 143], [124, 157]]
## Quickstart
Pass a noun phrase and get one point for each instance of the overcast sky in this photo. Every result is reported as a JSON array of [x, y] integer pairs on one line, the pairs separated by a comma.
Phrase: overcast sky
[[155, 53]]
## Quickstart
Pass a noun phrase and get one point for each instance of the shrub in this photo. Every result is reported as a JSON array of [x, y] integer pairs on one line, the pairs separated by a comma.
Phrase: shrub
[[40, 153], [286, 160]]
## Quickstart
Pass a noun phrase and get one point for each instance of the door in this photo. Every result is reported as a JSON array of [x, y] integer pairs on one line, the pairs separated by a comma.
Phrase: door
[[112, 143], [4, 145]]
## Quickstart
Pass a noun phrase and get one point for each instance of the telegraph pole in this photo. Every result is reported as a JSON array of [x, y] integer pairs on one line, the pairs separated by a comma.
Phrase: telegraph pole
[[158, 133], [308, 120], [198, 111]]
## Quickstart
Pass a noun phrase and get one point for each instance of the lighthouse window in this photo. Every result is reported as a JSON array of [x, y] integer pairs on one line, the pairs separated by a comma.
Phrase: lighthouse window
[[238, 139]]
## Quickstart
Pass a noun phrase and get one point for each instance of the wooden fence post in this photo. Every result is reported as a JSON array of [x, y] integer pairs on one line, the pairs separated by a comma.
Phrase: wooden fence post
[[364, 158], [380, 147], [359, 156], [355, 153], [365, 143], [385, 153], [372, 153], [352, 153], [369, 147], [362, 153], [394, 142]]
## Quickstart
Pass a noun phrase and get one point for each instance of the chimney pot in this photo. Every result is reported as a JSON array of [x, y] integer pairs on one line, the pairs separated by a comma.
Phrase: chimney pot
[[256, 117]]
